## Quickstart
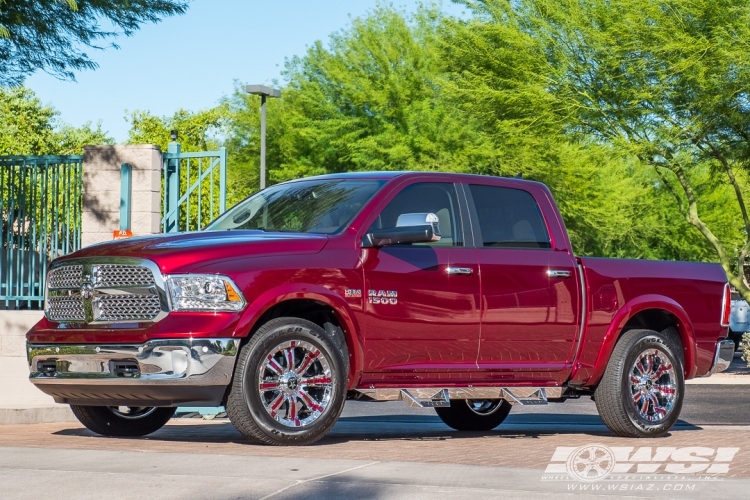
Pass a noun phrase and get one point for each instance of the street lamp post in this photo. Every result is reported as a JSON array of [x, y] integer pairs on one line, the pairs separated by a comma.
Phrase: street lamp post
[[263, 92]]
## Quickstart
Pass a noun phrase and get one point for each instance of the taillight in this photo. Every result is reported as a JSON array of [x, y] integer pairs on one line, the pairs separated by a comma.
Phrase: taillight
[[726, 309]]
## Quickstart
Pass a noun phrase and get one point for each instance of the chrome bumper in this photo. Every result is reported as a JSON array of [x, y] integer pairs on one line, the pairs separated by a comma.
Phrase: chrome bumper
[[158, 372], [722, 357]]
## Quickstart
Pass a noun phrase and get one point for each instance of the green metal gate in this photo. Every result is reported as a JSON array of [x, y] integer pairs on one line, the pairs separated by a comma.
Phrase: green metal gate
[[194, 187], [40, 216]]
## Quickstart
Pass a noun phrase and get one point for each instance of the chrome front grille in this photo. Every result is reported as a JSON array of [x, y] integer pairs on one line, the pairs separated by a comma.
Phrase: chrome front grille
[[116, 275], [66, 309], [127, 307], [92, 291], [65, 277]]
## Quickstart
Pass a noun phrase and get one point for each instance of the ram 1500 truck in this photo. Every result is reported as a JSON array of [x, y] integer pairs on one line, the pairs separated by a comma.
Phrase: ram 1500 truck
[[455, 292]]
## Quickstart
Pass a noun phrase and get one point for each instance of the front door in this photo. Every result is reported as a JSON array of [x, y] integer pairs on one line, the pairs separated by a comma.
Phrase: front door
[[530, 296], [422, 300]]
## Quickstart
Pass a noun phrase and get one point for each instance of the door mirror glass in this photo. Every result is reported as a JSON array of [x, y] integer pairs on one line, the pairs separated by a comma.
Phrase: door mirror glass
[[410, 228]]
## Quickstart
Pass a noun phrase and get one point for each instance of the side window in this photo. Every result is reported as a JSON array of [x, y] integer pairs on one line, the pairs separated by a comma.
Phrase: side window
[[509, 218], [426, 197]]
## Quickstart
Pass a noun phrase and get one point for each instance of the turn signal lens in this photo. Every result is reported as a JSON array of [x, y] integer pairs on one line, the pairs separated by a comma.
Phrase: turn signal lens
[[727, 305]]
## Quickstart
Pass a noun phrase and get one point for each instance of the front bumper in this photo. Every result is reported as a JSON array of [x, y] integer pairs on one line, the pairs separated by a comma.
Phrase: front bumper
[[176, 372], [722, 356]]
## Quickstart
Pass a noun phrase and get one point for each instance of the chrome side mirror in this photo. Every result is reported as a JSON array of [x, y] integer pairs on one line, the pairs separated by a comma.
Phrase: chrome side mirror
[[410, 228]]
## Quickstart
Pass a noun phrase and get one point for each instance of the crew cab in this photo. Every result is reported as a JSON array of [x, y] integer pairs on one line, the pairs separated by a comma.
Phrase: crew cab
[[454, 292]]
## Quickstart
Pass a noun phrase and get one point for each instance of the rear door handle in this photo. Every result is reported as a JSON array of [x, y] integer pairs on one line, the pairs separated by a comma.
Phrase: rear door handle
[[465, 271], [556, 273]]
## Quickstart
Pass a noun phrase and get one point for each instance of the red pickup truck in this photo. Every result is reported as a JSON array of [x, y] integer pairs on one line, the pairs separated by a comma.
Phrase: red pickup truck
[[456, 292]]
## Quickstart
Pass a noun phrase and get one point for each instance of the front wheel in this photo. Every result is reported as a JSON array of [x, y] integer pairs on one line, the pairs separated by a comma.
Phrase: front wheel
[[643, 387], [474, 414], [122, 421], [289, 384]]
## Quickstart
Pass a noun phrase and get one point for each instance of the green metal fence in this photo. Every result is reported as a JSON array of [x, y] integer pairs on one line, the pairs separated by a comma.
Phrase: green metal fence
[[194, 187], [40, 217]]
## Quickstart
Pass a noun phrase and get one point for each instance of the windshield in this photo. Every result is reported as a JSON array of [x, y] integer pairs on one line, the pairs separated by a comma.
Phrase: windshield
[[322, 206]]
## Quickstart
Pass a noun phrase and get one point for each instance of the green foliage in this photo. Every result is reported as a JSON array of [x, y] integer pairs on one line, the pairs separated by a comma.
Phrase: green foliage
[[28, 127], [198, 131], [369, 100], [662, 82], [52, 35]]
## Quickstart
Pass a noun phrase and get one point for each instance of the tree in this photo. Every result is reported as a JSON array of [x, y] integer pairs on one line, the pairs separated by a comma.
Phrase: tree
[[663, 82], [198, 131], [51, 34], [367, 100], [28, 127]]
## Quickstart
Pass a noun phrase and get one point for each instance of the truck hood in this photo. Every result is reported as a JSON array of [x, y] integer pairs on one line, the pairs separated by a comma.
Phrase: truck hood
[[181, 252]]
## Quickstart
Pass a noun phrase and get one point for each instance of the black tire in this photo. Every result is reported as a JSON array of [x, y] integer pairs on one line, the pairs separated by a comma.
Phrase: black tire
[[111, 421], [253, 411], [736, 337], [621, 400], [474, 415]]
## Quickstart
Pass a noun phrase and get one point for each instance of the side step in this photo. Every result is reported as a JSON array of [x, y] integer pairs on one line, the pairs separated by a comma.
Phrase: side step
[[433, 397], [438, 399], [537, 397]]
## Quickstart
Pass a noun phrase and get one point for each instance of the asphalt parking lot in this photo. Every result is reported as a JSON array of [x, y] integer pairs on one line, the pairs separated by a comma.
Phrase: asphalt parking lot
[[377, 450], [382, 451]]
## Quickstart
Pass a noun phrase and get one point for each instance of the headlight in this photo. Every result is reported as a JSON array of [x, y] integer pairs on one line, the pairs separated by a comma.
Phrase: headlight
[[204, 292]]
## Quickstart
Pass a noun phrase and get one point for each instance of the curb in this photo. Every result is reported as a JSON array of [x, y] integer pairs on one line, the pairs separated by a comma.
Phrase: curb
[[38, 415]]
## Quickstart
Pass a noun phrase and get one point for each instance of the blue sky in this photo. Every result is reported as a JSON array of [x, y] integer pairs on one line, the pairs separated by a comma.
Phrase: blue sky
[[191, 61]]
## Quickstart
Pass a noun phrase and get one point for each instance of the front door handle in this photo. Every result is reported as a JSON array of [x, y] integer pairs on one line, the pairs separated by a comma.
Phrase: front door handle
[[556, 273], [465, 271]]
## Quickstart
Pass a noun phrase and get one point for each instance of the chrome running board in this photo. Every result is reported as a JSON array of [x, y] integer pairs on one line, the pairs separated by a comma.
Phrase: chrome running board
[[439, 399], [432, 397]]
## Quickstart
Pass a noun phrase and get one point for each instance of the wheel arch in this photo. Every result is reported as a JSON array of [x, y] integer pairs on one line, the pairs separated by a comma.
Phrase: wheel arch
[[311, 302], [652, 312]]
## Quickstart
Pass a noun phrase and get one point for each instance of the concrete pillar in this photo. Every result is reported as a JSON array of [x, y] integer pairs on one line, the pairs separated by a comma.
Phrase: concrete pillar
[[101, 191]]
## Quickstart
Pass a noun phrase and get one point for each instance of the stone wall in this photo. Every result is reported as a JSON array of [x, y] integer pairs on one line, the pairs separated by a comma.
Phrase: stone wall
[[101, 190]]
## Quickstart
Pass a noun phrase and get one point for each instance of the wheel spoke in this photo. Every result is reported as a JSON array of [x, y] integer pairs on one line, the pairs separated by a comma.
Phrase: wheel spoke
[[275, 404], [272, 365], [309, 401], [289, 357], [307, 361], [664, 368], [667, 390], [658, 409], [293, 413], [319, 380], [644, 406], [269, 386]]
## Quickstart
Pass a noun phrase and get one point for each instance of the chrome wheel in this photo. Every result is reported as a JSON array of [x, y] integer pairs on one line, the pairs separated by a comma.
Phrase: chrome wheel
[[484, 406], [131, 412], [295, 383], [653, 385]]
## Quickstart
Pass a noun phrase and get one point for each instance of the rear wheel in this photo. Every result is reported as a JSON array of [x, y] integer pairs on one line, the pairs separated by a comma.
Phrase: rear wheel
[[289, 383], [122, 421], [474, 414], [643, 387]]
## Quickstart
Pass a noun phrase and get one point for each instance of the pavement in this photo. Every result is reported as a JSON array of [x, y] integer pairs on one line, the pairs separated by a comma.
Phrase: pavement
[[387, 450]]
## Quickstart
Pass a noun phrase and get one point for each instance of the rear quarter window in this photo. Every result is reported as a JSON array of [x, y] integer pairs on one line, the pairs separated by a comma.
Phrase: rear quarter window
[[509, 218]]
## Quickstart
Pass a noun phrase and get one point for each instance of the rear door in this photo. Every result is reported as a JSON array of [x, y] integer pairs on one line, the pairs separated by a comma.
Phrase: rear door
[[530, 298], [422, 317]]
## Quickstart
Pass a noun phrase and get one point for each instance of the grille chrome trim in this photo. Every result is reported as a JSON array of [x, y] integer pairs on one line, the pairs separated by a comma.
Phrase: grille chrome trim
[[65, 277], [118, 275], [106, 290]]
